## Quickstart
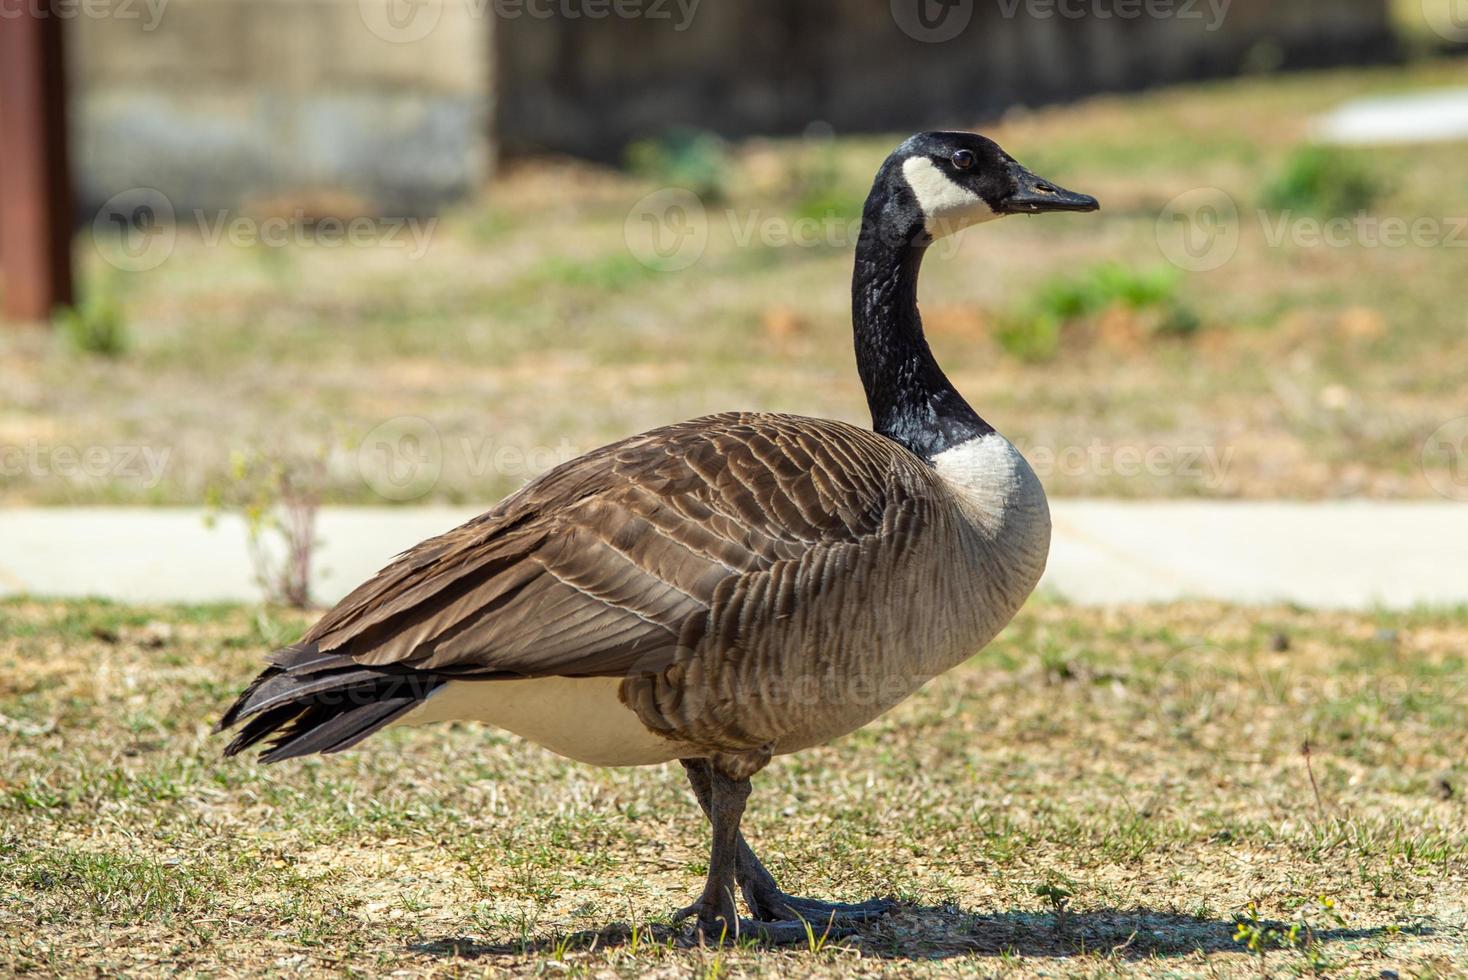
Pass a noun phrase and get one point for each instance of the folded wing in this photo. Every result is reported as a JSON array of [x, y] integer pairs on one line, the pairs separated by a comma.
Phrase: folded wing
[[604, 565]]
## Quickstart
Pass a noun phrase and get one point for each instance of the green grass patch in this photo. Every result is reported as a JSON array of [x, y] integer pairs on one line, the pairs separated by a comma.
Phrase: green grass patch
[[96, 325], [693, 159], [1036, 330], [107, 888], [1326, 181]]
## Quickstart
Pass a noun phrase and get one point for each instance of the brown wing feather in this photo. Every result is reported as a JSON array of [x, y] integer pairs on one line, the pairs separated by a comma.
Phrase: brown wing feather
[[601, 563]]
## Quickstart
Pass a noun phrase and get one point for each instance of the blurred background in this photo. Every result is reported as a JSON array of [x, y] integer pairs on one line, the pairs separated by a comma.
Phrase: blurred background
[[414, 251]]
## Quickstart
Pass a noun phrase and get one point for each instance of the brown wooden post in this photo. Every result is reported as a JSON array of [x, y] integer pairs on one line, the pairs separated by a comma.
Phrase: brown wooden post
[[35, 174]]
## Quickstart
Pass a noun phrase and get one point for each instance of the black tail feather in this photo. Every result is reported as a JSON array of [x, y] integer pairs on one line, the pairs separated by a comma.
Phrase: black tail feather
[[323, 710], [260, 727], [321, 730]]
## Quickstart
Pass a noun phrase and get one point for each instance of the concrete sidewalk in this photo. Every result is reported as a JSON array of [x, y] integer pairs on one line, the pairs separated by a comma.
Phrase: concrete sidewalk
[[1324, 555]]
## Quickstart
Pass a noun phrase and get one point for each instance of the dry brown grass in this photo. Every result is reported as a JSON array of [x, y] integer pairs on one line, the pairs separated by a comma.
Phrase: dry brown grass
[[1140, 767]]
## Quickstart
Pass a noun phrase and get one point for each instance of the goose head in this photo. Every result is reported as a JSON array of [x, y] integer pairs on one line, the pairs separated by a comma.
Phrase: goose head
[[932, 185], [937, 183]]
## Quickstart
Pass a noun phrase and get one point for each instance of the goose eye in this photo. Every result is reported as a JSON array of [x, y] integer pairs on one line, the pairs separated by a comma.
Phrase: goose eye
[[963, 159]]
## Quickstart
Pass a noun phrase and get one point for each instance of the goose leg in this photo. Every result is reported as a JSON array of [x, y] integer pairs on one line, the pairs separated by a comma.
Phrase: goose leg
[[763, 895], [716, 914]]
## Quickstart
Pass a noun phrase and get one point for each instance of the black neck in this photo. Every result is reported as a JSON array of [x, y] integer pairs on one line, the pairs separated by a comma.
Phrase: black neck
[[911, 400]]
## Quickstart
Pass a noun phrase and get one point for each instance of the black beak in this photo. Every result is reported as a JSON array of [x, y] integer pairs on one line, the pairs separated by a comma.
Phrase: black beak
[[1035, 195]]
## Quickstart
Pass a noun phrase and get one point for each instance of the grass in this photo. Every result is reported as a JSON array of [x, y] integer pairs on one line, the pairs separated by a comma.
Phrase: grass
[[1326, 181], [1099, 793], [1133, 299], [1318, 369], [94, 326]]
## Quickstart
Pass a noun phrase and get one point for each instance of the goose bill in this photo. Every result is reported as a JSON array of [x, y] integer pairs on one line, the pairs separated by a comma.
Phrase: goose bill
[[1036, 195]]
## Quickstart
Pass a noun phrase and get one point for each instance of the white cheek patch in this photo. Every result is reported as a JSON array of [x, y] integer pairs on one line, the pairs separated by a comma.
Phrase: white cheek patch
[[946, 206]]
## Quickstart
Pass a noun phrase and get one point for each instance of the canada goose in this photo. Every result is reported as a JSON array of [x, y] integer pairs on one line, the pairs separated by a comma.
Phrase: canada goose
[[722, 590]]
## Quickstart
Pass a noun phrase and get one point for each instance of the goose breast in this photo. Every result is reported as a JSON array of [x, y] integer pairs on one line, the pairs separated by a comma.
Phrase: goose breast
[[816, 647]]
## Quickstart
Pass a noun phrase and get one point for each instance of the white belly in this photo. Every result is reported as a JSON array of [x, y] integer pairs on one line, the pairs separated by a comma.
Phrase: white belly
[[581, 718]]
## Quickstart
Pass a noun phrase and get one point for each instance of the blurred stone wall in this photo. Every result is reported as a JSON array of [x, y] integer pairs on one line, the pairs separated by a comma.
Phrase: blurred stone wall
[[396, 105], [589, 85], [330, 103]]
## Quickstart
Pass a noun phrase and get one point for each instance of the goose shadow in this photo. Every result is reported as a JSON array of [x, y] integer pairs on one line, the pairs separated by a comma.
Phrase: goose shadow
[[917, 932]]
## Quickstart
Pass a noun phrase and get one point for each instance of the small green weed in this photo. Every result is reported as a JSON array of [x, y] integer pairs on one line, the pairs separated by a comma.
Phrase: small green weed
[[1302, 933], [691, 158], [1325, 181], [1058, 890], [278, 497], [94, 326], [1034, 332]]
